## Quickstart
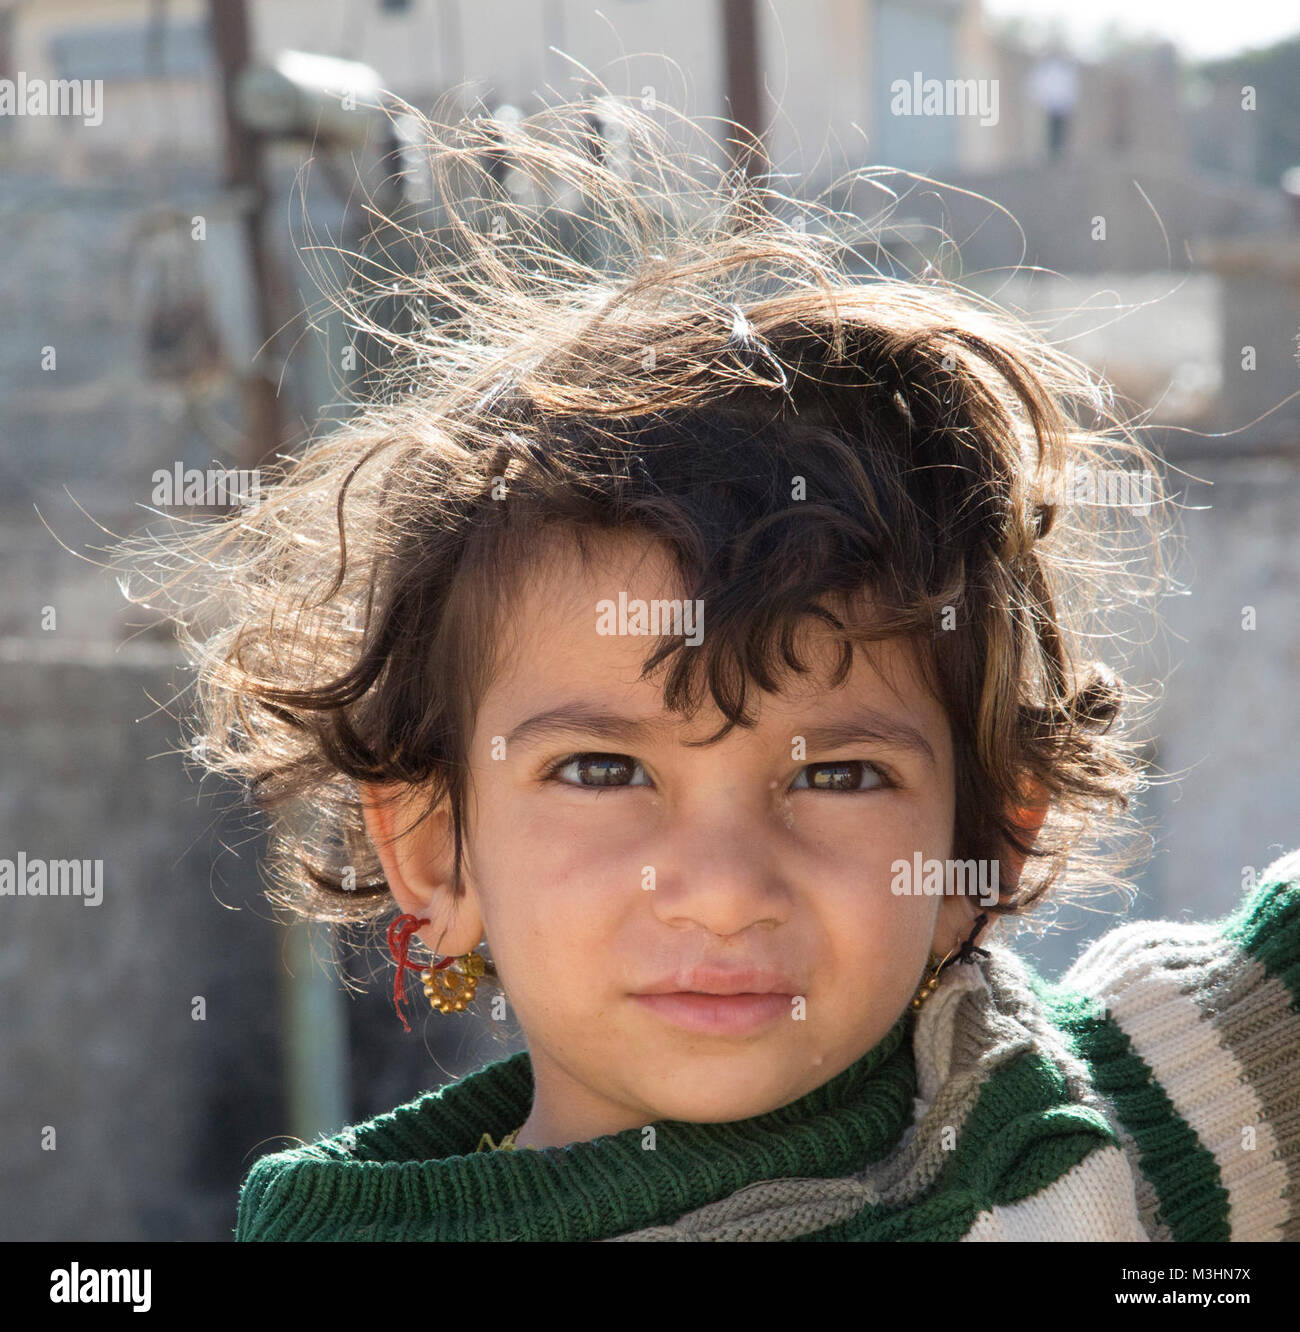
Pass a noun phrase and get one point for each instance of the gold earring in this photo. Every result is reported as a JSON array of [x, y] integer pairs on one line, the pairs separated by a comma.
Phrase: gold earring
[[929, 984], [451, 991]]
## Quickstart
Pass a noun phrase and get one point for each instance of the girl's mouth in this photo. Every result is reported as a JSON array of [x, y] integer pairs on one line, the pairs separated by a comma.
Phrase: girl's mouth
[[718, 1014]]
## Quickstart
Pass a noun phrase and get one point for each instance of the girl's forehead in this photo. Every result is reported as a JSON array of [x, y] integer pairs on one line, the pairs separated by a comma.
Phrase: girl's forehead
[[571, 637], [558, 665]]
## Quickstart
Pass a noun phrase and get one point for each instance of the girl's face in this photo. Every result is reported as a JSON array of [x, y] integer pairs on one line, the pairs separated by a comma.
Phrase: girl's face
[[605, 859]]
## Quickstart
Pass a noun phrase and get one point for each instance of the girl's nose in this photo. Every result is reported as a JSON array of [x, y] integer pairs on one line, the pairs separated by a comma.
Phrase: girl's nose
[[723, 876]]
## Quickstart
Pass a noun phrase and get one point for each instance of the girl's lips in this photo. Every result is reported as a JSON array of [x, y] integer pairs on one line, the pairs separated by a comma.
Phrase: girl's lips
[[718, 1014]]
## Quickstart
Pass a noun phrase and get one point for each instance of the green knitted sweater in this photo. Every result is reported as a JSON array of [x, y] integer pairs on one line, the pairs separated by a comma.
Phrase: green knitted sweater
[[1153, 1093]]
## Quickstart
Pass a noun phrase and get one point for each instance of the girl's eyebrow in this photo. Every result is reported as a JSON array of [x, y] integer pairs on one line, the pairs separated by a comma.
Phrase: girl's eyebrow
[[569, 717], [868, 725], [865, 725]]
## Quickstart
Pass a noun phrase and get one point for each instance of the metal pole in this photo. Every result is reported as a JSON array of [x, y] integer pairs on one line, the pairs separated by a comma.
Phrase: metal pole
[[315, 1036], [314, 1018], [246, 180], [744, 83]]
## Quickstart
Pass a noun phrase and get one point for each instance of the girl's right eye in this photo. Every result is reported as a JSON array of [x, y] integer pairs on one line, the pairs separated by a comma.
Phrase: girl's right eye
[[604, 771]]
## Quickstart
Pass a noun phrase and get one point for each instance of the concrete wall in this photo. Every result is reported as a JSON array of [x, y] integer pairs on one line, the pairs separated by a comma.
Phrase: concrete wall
[[1225, 798], [156, 1116]]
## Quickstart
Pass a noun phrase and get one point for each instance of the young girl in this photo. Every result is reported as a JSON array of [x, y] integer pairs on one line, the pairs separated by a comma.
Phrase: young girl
[[682, 652]]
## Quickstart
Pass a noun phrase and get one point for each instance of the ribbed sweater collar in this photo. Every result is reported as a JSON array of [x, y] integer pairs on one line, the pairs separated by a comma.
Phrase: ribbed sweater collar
[[414, 1173]]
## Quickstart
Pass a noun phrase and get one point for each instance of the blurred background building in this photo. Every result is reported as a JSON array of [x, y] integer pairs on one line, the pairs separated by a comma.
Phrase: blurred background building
[[166, 351]]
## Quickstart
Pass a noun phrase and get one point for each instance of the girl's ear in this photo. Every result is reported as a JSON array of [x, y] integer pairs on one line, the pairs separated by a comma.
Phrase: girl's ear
[[1028, 818], [957, 914], [416, 850]]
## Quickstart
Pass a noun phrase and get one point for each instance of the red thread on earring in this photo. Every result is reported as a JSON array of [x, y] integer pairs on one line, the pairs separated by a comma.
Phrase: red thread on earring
[[399, 940]]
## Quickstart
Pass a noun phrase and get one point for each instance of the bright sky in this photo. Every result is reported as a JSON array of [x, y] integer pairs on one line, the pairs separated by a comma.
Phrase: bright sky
[[1201, 28]]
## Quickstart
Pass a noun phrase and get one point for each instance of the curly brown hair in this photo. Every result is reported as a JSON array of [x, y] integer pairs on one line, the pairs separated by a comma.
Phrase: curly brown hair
[[636, 339]]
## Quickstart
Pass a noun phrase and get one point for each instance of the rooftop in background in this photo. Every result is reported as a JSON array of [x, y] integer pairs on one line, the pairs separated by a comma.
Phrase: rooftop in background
[[1199, 28]]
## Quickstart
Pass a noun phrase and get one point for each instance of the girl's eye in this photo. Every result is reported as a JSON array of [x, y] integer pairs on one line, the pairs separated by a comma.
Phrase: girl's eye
[[603, 770], [841, 775], [597, 771]]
